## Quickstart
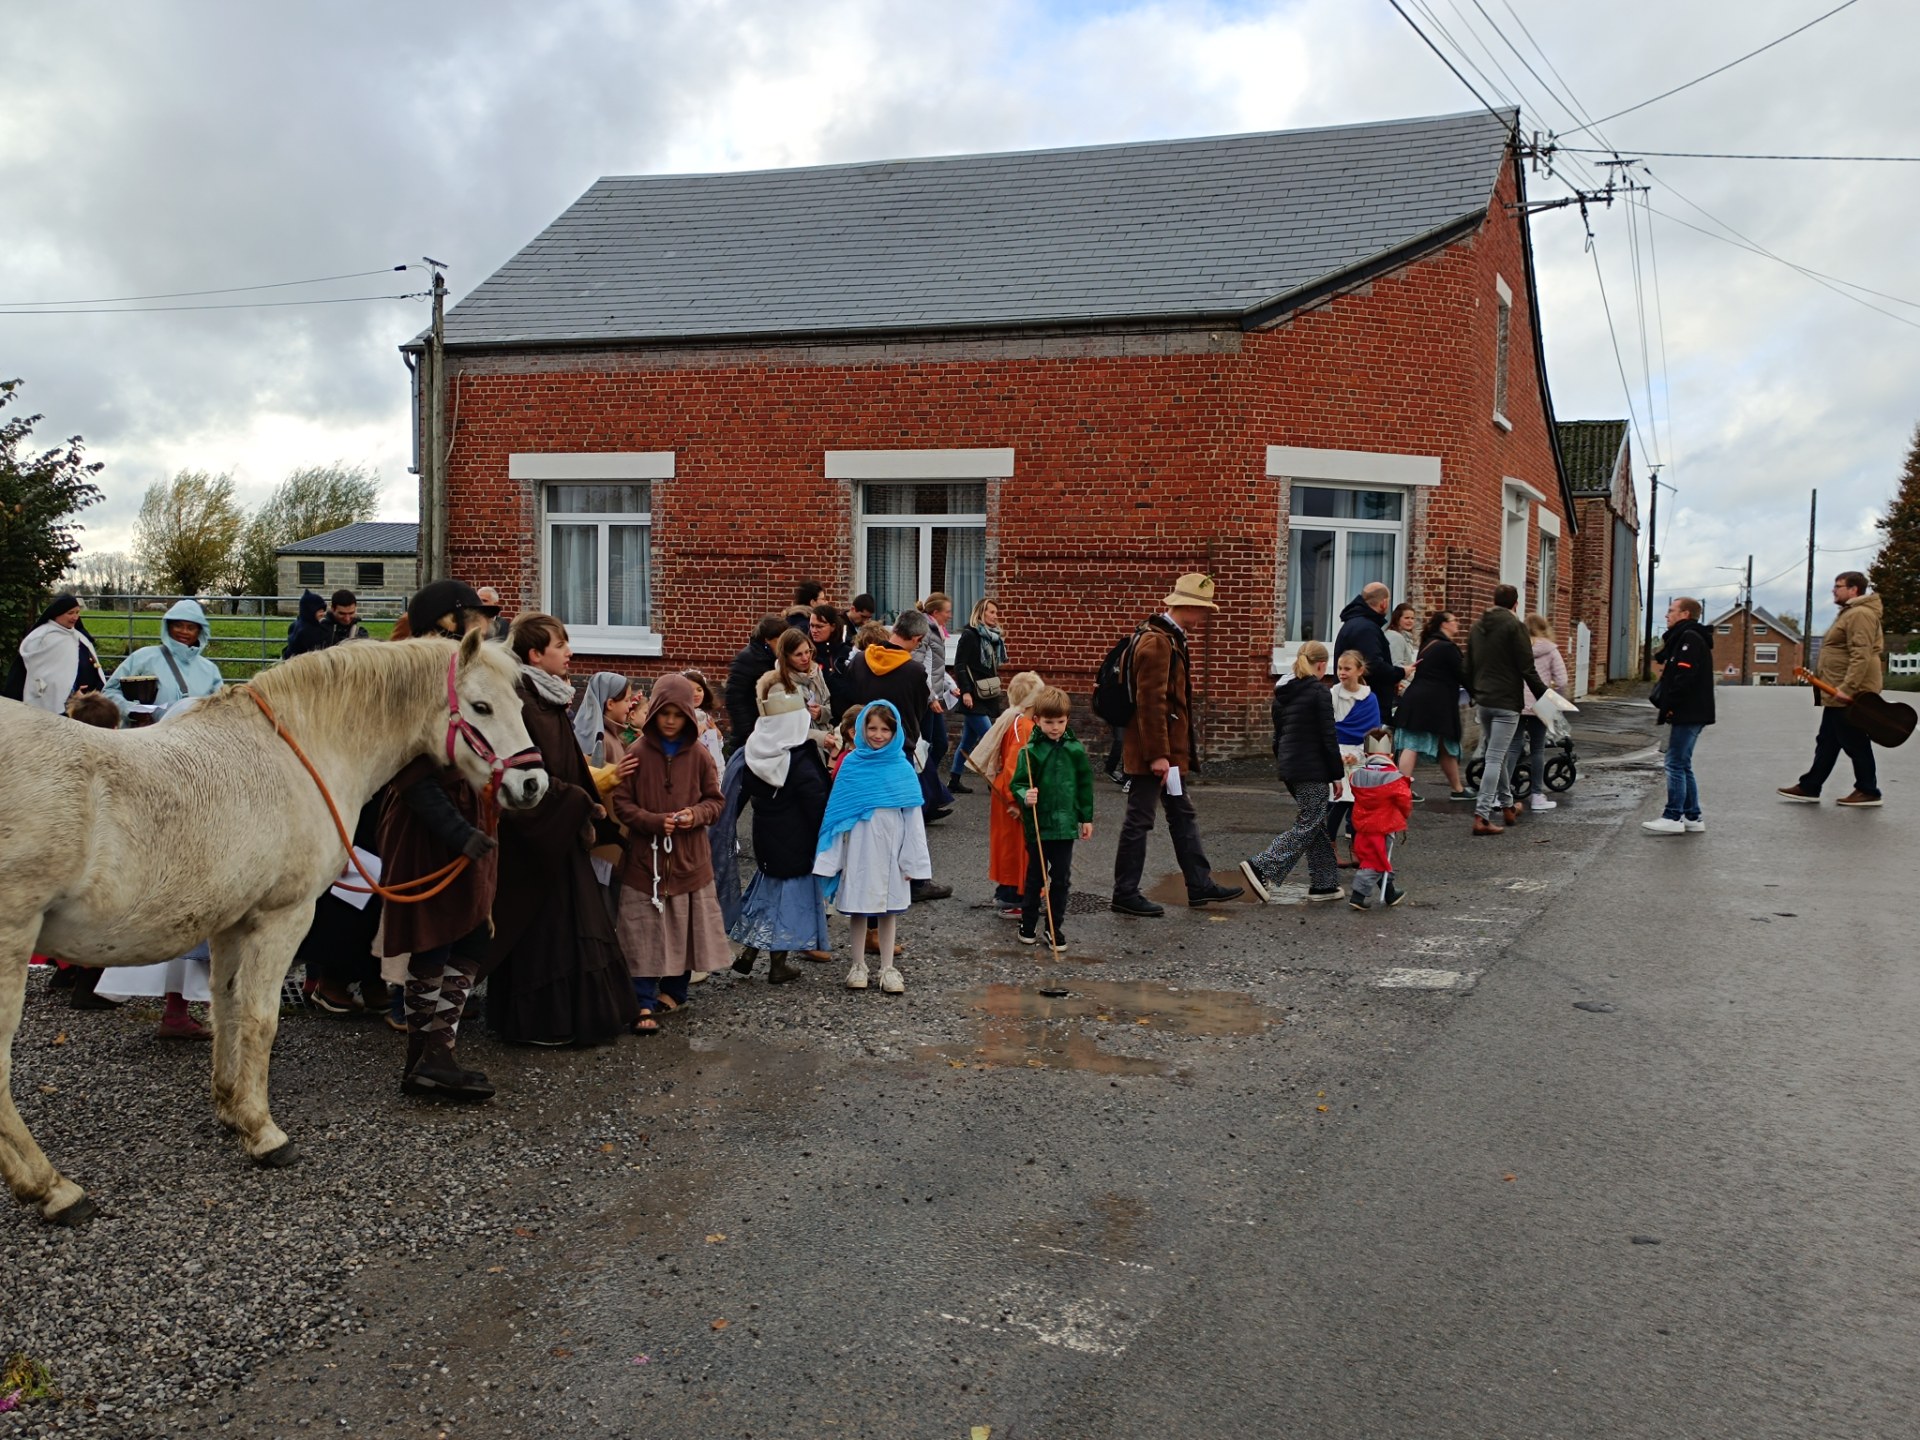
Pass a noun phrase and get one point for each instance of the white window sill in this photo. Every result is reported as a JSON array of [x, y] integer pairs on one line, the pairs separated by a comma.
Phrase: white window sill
[[593, 640], [1502, 421]]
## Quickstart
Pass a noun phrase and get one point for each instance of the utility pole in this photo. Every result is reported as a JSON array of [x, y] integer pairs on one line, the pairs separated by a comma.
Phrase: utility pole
[[433, 456], [1746, 626], [1653, 559], [1806, 615]]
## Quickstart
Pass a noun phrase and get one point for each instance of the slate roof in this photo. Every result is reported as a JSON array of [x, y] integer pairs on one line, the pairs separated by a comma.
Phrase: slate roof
[[367, 537], [1172, 229], [1763, 616], [1591, 449]]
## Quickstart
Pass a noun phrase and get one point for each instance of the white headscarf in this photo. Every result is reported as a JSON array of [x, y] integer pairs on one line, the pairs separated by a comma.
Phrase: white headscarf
[[590, 714], [783, 724]]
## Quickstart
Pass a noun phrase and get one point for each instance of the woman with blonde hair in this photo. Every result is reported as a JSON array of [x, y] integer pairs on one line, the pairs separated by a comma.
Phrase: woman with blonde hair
[[976, 669], [1308, 756], [1532, 733]]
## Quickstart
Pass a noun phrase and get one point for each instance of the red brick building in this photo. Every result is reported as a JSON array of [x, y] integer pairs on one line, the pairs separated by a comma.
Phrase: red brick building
[[1299, 362], [1598, 455], [1772, 647]]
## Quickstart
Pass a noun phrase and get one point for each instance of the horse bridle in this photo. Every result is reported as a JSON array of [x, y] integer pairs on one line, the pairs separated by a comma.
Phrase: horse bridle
[[458, 725]]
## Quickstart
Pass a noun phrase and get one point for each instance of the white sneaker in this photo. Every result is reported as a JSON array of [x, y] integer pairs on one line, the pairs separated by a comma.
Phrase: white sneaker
[[1541, 802], [892, 982], [857, 976], [1664, 826], [1694, 827]]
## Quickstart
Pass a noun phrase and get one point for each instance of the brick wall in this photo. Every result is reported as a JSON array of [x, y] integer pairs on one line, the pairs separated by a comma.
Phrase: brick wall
[[1138, 455], [1593, 581]]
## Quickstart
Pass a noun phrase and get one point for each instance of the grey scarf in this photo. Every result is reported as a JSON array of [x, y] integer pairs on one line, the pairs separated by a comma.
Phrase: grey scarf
[[550, 688], [993, 645]]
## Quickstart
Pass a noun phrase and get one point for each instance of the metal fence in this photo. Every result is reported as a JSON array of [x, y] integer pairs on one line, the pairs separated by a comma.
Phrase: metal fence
[[249, 631]]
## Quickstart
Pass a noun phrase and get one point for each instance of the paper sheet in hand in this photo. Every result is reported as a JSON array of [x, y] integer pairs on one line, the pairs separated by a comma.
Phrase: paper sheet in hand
[[1172, 782], [357, 898]]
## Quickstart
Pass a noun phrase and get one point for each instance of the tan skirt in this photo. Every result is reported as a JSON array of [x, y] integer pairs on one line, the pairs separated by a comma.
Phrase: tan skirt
[[687, 935]]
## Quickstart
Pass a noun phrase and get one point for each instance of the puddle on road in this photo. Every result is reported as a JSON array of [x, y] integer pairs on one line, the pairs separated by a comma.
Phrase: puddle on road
[[1023, 1028], [1172, 889]]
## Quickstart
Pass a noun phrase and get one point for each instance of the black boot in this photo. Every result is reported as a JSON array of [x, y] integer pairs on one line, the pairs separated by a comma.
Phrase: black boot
[[780, 972], [85, 977], [436, 1075], [743, 963]]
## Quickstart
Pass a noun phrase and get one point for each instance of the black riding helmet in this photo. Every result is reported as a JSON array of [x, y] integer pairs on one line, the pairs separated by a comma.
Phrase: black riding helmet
[[439, 600]]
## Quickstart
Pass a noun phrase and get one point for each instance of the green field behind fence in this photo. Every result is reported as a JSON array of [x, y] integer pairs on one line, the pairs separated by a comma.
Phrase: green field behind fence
[[242, 645]]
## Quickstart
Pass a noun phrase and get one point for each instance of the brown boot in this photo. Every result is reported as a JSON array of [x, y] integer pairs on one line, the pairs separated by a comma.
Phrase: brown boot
[[1511, 814], [779, 972], [1484, 826]]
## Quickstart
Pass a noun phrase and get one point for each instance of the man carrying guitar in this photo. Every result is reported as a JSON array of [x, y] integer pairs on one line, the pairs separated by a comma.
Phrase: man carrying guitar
[[1850, 665]]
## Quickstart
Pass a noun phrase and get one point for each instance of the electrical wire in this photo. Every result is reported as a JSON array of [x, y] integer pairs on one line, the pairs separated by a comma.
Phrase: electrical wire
[[1510, 122], [1633, 417], [1739, 155], [1844, 4], [236, 305], [1660, 326], [227, 290]]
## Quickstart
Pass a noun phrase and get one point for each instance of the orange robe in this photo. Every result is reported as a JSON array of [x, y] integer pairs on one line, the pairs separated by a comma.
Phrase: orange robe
[[1006, 836]]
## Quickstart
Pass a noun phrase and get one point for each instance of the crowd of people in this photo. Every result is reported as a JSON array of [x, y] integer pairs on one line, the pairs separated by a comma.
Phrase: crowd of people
[[594, 914]]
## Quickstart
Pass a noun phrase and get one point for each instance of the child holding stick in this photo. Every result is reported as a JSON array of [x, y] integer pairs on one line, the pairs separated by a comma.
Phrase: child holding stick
[[1053, 780], [873, 841]]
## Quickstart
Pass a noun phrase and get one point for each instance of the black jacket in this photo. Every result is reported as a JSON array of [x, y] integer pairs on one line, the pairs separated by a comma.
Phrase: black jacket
[[905, 685], [1431, 701], [970, 666], [786, 822], [1364, 628], [743, 701], [1684, 693], [1303, 741]]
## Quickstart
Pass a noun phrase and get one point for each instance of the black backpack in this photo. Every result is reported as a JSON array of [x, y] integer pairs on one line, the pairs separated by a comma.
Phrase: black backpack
[[1113, 683]]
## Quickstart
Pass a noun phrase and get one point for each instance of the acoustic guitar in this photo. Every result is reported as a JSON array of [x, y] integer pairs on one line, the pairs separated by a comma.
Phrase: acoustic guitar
[[1885, 722]]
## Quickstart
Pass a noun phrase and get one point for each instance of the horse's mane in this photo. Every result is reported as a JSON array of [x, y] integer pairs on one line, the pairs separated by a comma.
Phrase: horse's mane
[[352, 684]]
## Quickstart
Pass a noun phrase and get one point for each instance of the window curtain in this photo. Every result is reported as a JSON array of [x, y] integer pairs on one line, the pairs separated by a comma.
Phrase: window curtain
[[573, 574], [629, 576]]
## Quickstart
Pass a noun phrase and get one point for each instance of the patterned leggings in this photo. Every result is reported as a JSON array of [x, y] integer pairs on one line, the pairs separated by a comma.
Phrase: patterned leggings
[[438, 982], [1308, 836]]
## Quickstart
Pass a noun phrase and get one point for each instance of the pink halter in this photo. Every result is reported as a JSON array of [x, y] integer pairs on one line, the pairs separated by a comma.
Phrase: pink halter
[[458, 724]]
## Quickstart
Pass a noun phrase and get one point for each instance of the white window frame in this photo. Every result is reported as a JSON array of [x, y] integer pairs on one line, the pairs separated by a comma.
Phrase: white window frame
[[1517, 499], [606, 468], [906, 467], [1502, 351], [1293, 465], [1766, 654], [1549, 524]]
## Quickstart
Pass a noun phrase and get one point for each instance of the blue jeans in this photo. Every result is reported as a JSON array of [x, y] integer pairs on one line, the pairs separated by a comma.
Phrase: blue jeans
[[972, 732], [1683, 795]]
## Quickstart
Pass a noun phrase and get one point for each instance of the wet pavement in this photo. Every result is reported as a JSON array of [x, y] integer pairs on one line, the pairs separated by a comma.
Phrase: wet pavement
[[1259, 1169]]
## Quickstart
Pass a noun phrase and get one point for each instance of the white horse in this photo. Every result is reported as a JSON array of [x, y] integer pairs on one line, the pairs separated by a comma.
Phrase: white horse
[[126, 847]]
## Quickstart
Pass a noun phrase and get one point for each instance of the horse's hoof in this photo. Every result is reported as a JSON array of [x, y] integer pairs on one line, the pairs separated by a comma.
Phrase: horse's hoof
[[280, 1157], [76, 1214]]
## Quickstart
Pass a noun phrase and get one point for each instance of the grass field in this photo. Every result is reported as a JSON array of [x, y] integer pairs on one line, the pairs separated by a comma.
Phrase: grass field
[[242, 645]]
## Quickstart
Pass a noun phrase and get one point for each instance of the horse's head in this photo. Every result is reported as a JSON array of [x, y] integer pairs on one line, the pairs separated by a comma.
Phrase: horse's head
[[485, 732]]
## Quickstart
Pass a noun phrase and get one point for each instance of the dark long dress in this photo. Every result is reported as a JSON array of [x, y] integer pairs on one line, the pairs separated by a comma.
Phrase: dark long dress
[[1431, 703], [338, 947], [557, 971]]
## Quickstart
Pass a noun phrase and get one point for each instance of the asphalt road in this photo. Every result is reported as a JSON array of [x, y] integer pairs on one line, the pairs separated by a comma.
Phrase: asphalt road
[[1262, 1170]]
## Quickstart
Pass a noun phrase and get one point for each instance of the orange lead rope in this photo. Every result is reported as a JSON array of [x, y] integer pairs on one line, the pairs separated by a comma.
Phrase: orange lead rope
[[405, 892]]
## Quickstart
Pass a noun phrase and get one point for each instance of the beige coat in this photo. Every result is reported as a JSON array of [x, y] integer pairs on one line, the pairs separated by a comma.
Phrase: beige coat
[[1851, 652]]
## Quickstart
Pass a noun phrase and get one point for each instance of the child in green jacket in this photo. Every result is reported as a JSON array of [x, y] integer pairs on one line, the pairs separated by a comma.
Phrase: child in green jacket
[[1053, 781]]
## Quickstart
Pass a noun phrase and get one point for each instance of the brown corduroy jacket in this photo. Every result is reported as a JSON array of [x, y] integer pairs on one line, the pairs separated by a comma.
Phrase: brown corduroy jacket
[[1162, 724]]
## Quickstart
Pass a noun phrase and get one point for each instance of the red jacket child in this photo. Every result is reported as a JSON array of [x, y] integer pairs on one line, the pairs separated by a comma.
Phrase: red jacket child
[[1382, 801]]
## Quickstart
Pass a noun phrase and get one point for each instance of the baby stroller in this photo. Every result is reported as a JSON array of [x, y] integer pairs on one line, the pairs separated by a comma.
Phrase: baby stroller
[[1562, 766]]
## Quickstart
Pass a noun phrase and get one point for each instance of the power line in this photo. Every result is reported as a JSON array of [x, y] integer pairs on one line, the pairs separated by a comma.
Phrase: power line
[[1844, 4], [1816, 276], [228, 290], [1511, 124], [1633, 417], [1740, 155], [237, 305], [1660, 325]]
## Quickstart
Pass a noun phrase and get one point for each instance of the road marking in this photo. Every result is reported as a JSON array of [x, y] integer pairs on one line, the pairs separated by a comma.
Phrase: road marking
[[1086, 1327], [1410, 978], [1084, 1255]]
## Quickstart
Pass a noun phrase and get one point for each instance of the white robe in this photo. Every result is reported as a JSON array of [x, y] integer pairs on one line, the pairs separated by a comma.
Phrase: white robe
[[52, 655], [875, 860]]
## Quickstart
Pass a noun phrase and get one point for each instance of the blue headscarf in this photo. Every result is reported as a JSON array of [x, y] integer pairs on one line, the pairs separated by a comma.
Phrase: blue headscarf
[[869, 780]]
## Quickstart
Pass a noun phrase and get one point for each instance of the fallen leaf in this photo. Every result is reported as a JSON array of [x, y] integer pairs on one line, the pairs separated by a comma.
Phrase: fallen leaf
[[981, 1432], [642, 1360], [719, 1325], [1143, 1020], [522, 1231], [716, 1237], [1321, 1096], [49, 1089], [1509, 1177], [1321, 1108], [607, 1148], [1103, 1017], [560, 1352], [61, 1038], [496, 1269]]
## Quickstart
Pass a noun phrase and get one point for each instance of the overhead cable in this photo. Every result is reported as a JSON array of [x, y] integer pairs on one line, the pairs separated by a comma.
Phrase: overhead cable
[[1844, 4], [1512, 126], [234, 305], [1606, 309], [226, 290], [1737, 155]]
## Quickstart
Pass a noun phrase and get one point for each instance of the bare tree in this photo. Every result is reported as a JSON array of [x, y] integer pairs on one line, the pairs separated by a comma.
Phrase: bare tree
[[188, 532], [310, 501]]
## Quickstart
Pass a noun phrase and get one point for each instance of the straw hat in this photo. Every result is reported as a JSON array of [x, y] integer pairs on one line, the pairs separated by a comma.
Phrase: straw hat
[[1192, 589]]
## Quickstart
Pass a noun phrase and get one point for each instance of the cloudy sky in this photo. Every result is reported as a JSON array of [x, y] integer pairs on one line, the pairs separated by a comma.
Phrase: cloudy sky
[[195, 145]]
